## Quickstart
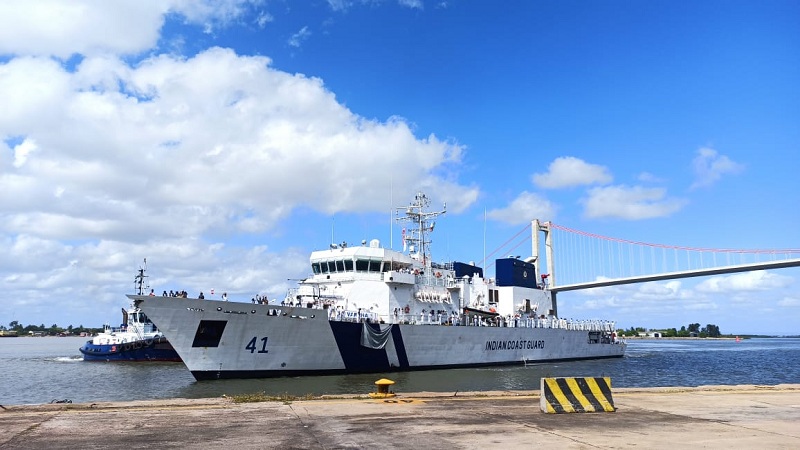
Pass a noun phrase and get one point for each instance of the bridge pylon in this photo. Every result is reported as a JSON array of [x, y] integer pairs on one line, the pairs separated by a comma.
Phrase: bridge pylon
[[543, 227]]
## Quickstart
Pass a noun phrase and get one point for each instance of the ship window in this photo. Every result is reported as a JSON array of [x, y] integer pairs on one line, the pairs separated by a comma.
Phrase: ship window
[[323, 267], [374, 266], [348, 265], [209, 333], [340, 266], [315, 268], [362, 265]]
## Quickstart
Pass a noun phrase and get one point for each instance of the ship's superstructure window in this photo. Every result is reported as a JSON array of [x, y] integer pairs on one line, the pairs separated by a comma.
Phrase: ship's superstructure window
[[339, 266], [368, 265]]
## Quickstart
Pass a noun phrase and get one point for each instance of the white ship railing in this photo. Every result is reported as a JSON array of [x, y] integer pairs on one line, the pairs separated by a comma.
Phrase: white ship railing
[[427, 318]]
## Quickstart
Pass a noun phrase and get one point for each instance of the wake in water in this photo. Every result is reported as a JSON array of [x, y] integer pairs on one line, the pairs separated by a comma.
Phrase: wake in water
[[68, 359]]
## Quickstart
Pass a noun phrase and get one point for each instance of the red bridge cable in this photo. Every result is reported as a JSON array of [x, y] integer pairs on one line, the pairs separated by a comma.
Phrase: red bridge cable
[[506, 242]]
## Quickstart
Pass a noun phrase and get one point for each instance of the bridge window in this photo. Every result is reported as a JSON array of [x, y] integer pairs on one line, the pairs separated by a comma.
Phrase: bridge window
[[368, 265], [348, 265], [315, 268], [340, 266]]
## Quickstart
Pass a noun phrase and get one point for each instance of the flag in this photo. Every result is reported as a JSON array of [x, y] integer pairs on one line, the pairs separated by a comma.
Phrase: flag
[[403, 237]]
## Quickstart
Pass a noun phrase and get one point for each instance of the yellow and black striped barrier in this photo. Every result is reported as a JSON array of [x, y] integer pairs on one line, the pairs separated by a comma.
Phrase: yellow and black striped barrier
[[565, 395]]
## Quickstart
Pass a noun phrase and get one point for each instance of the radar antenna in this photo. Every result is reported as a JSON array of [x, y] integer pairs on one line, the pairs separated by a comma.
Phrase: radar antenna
[[420, 227]]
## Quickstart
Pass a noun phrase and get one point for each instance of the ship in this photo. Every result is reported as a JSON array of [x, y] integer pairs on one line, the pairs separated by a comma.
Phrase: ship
[[136, 339], [369, 309]]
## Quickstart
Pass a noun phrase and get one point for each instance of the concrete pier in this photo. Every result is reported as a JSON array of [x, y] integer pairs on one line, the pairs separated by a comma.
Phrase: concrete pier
[[729, 417]]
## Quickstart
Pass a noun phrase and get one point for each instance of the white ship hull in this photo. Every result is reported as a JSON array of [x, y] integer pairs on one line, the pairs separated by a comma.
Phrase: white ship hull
[[239, 340], [368, 309]]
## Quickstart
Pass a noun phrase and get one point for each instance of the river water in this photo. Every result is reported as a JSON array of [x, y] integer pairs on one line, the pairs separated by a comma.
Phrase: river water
[[43, 369]]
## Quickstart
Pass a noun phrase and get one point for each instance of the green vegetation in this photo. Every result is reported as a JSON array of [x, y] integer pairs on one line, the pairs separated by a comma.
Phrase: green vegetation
[[693, 330], [52, 330]]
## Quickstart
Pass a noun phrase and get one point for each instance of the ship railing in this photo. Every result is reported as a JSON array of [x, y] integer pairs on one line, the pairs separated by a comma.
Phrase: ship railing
[[435, 279], [460, 320], [352, 316], [422, 319], [513, 322]]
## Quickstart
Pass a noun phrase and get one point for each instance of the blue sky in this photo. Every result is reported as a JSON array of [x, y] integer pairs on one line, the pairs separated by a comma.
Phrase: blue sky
[[225, 140]]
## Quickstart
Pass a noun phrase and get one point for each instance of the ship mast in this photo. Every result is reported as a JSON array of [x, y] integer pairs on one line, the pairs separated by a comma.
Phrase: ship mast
[[140, 282], [421, 224]]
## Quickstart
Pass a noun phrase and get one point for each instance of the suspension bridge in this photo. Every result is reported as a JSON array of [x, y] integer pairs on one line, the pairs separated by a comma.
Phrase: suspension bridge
[[579, 260]]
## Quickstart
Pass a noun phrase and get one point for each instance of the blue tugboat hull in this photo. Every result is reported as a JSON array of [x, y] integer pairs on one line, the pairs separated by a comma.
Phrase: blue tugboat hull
[[156, 349]]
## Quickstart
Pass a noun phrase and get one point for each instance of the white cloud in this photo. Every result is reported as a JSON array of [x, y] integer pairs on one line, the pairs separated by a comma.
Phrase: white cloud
[[526, 207], [53, 27], [413, 4], [632, 203], [709, 167], [263, 19], [198, 140], [124, 27], [298, 38], [647, 177], [344, 5], [789, 301], [340, 5], [758, 280], [22, 151], [569, 171]]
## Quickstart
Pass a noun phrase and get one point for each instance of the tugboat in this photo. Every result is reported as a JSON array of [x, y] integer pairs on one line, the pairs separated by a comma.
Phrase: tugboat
[[136, 339]]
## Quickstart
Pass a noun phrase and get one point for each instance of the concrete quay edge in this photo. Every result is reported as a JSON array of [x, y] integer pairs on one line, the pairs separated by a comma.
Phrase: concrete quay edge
[[735, 416]]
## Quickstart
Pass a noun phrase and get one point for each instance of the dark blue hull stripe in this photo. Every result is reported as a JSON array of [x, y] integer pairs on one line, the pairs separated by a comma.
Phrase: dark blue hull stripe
[[357, 359], [402, 356]]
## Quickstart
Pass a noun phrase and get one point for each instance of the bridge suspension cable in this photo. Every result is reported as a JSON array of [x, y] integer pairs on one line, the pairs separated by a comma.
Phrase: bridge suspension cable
[[583, 256]]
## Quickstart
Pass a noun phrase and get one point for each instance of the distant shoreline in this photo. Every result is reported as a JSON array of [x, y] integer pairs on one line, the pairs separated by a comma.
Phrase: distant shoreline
[[676, 338], [726, 338]]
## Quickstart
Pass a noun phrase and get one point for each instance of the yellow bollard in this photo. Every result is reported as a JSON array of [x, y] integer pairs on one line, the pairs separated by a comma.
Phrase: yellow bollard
[[383, 389]]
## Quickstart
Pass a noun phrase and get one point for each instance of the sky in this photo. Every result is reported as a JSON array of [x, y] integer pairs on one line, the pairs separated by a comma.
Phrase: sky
[[224, 140]]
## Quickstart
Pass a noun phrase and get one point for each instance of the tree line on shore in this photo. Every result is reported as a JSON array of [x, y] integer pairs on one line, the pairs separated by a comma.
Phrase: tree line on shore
[[52, 330], [693, 330]]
